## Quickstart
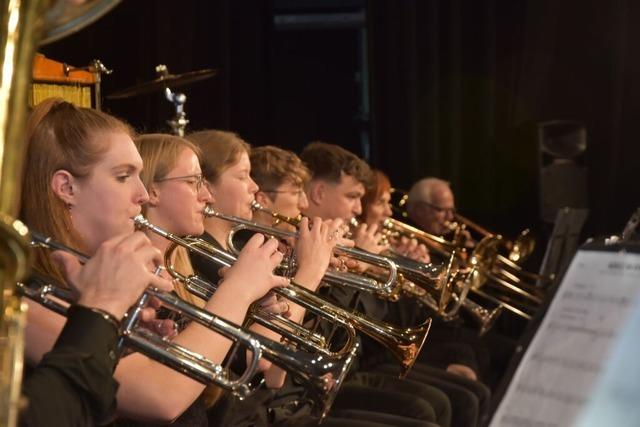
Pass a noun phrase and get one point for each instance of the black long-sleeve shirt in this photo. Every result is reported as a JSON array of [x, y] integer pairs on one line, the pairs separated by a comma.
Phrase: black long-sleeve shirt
[[73, 385]]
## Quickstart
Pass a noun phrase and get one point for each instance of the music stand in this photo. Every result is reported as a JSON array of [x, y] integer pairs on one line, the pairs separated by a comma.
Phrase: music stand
[[563, 243]]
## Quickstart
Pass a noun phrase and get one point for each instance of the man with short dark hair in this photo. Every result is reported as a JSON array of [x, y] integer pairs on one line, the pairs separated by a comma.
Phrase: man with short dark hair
[[338, 180]]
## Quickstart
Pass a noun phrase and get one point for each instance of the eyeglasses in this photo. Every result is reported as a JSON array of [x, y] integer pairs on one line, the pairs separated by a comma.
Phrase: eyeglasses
[[297, 193], [438, 208], [195, 181]]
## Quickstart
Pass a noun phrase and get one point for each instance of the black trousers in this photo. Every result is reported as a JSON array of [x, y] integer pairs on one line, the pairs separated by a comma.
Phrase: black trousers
[[354, 418], [470, 400], [379, 392]]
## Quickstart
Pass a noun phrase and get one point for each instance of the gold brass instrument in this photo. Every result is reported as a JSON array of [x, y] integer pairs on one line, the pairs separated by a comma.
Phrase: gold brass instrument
[[404, 343], [277, 217], [322, 374], [430, 283], [484, 317], [20, 29], [519, 249], [478, 259], [22, 23], [394, 228], [507, 267], [513, 295]]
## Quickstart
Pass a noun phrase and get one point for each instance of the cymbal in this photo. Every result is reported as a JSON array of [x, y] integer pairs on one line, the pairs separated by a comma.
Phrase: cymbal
[[67, 17], [163, 81]]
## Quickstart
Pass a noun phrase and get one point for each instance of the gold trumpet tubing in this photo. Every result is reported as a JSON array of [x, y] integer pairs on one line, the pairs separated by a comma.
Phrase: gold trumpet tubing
[[516, 280], [521, 247], [404, 343], [395, 229], [506, 263], [513, 288], [507, 306], [478, 228], [278, 218], [485, 318], [458, 287], [507, 244], [357, 254]]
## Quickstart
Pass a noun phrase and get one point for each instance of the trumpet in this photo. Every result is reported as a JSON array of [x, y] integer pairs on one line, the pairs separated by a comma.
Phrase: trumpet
[[513, 296], [322, 374], [408, 272], [479, 258], [394, 228], [417, 278], [140, 339], [519, 249], [404, 343], [353, 280]]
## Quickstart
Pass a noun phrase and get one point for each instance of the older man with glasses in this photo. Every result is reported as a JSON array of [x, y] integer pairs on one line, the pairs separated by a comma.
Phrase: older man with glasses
[[431, 205]]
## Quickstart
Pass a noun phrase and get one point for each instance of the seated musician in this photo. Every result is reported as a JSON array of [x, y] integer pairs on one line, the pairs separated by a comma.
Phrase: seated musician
[[431, 206], [73, 384]]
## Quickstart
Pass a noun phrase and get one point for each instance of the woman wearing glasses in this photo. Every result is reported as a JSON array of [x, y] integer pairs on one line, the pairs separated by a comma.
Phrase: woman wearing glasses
[[83, 188]]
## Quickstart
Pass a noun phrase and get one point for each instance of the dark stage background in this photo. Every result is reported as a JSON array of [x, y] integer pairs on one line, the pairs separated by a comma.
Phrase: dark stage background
[[449, 88]]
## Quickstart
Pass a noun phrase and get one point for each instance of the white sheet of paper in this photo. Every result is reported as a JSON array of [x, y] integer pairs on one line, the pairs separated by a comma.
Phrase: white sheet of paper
[[564, 363]]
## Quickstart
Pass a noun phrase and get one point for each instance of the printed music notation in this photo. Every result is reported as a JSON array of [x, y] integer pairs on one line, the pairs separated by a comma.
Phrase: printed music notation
[[558, 374]]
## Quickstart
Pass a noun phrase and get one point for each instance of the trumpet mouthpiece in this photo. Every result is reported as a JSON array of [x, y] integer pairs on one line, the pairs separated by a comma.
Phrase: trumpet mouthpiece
[[140, 221]]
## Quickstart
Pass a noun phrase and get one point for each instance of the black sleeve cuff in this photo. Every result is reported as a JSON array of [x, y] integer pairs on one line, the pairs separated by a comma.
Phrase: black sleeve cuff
[[90, 333]]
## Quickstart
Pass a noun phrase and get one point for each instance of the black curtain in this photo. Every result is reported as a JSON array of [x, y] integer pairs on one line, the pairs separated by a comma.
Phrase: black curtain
[[230, 36], [458, 88]]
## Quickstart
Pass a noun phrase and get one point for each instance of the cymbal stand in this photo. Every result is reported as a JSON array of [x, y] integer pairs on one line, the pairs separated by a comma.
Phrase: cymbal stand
[[179, 122]]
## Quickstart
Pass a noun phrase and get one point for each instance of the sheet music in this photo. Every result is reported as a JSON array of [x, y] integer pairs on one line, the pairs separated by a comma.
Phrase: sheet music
[[617, 394], [566, 359]]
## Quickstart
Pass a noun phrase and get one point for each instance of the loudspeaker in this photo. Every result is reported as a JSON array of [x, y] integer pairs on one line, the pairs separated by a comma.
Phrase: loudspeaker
[[563, 176]]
